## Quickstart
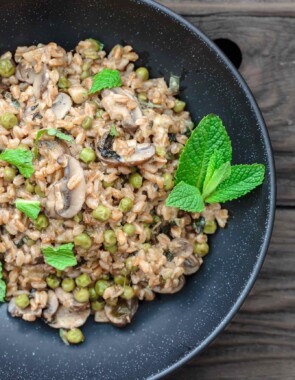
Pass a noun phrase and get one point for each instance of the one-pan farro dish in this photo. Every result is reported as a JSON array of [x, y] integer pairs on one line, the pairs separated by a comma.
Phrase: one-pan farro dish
[[89, 149]]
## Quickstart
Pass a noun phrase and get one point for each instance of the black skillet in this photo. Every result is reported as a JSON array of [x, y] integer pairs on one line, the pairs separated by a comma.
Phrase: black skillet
[[167, 332]]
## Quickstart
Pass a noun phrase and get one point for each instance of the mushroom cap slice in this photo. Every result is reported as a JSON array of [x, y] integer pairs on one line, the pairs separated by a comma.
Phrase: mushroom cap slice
[[100, 317], [40, 82], [142, 153], [25, 73], [181, 247], [16, 311], [61, 201], [191, 265], [52, 306], [114, 103], [65, 319], [68, 301], [122, 313], [162, 290], [61, 105]]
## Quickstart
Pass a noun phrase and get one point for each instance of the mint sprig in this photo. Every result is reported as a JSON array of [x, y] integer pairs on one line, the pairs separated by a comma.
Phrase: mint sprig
[[106, 78], [204, 174]]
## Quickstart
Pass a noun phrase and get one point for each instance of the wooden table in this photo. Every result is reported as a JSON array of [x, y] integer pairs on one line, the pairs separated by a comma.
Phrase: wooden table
[[260, 341]]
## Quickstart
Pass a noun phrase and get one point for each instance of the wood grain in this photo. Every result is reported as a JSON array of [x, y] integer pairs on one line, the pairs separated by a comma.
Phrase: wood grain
[[259, 344]]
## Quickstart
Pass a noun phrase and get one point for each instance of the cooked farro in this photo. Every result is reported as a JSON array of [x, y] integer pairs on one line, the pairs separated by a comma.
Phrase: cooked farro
[[49, 89]]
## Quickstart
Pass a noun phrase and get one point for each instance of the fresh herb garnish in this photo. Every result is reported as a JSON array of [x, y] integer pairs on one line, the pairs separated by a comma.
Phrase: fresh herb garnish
[[2, 285], [22, 159], [106, 78], [60, 257], [113, 131], [28, 207], [204, 174], [51, 132]]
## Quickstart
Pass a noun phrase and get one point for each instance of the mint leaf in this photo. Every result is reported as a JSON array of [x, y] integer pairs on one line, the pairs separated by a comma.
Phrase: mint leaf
[[186, 197], [218, 176], [28, 207], [242, 180], [60, 257], [51, 132], [22, 159], [106, 78], [113, 131], [209, 136], [2, 286]]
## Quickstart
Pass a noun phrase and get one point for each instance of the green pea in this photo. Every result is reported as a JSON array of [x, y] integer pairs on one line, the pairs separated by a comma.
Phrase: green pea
[[125, 204], [101, 286], [22, 301], [142, 97], [79, 217], [83, 240], [210, 227], [146, 246], [105, 184], [68, 285], [142, 73], [99, 113], [87, 155], [85, 74], [129, 229], [110, 237], [168, 181], [39, 192], [129, 264], [6, 68], [8, 120], [82, 295], [120, 280], [101, 213], [52, 281], [63, 82], [29, 187], [128, 293], [83, 280], [160, 151], [201, 249], [97, 305], [179, 106], [9, 174], [86, 66], [96, 45], [87, 122], [148, 232], [75, 336], [92, 294], [110, 248], [41, 222], [135, 180]]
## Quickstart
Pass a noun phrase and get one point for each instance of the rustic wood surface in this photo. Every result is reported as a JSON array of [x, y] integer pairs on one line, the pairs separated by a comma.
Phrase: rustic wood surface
[[260, 341]]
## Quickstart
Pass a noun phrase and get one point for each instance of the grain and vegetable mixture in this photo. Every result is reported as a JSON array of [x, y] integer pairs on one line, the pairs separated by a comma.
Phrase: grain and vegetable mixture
[[89, 147]]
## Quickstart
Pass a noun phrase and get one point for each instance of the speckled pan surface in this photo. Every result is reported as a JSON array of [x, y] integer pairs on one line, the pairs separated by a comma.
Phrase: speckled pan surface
[[171, 329]]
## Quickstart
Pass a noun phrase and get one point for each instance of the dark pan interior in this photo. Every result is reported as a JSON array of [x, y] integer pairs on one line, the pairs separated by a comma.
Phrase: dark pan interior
[[169, 330]]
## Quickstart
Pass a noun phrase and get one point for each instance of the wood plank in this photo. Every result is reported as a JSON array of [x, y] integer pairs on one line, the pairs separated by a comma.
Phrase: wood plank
[[260, 341], [232, 8]]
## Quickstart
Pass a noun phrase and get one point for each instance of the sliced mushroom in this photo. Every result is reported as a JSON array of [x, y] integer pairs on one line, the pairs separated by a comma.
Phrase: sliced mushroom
[[65, 319], [115, 103], [122, 313], [62, 201], [191, 265], [181, 247], [142, 152], [61, 105], [171, 290], [40, 82], [25, 73], [100, 317], [68, 301], [27, 313], [52, 306]]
